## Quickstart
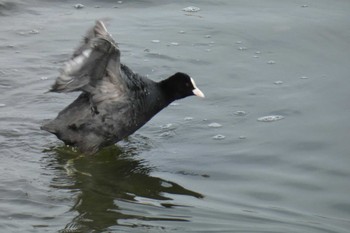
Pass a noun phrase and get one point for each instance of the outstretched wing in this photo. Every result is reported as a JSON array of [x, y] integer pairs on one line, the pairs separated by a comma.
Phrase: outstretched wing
[[89, 64], [98, 30]]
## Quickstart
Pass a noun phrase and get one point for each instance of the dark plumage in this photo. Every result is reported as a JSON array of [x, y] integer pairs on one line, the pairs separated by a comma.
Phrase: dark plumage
[[114, 102]]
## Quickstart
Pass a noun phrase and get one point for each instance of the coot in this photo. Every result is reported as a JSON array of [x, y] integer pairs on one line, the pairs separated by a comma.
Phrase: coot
[[115, 101]]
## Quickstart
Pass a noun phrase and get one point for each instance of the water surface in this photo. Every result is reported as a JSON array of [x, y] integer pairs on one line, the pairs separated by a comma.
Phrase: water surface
[[200, 165]]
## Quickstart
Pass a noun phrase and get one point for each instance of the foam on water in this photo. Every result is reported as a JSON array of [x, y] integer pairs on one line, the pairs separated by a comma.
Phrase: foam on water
[[214, 125], [167, 126], [79, 6], [174, 43], [270, 118], [278, 82], [191, 9], [219, 137], [240, 113]]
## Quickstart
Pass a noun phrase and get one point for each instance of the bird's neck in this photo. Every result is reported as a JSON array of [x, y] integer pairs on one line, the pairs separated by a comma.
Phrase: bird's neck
[[167, 92]]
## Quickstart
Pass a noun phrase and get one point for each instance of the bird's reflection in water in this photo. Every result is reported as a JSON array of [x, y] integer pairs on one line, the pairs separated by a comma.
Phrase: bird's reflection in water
[[114, 188]]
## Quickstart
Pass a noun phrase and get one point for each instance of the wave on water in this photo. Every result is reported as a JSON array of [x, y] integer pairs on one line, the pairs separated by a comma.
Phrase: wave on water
[[6, 6]]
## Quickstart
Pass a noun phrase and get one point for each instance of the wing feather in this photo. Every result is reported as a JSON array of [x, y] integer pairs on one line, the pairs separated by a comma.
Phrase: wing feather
[[88, 65]]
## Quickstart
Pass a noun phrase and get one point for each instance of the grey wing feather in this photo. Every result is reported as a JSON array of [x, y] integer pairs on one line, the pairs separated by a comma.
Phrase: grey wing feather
[[99, 29], [111, 86], [89, 62]]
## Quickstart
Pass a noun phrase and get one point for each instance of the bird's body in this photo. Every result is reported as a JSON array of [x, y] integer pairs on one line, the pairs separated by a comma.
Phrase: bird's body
[[90, 126], [114, 102]]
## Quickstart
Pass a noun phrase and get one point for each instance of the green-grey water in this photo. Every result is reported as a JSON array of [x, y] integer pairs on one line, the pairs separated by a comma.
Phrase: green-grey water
[[201, 165]]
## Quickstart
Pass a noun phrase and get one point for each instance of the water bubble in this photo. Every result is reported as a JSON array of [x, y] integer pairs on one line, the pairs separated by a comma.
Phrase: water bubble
[[207, 36], [174, 43], [182, 32], [304, 77], [155, 41], [240, 113], [166, 126], [257, 52], [208, 50], [304, 6], [174, 104], [191, 9], [278, 82], [242, 137], [78, 6], [256, 56], [271, 62], [44, 78], [2, 105], [242, 48], [238, 42], [188, 118], [167, 134], [214, 125], [270, 118], [120, 2], [219, 137], [33, 31]]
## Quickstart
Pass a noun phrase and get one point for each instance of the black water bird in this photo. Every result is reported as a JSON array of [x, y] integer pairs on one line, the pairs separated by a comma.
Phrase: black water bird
[[115, 101]]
